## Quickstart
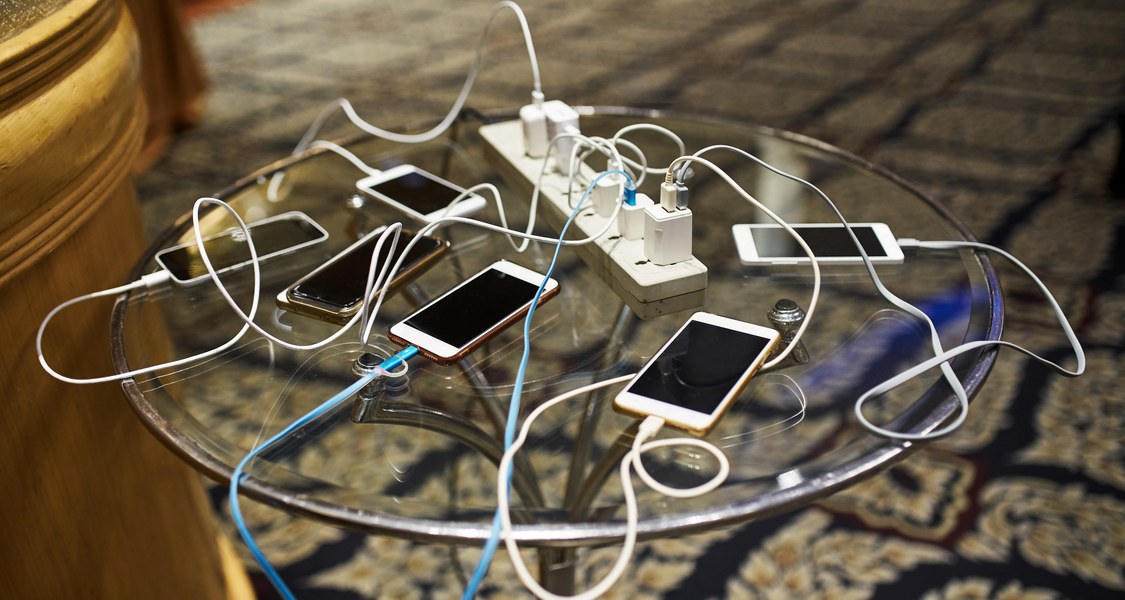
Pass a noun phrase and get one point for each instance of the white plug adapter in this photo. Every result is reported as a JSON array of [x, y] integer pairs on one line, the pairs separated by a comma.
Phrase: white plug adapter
[[631, 219], [561, 118], [648, 289], [608, 191], [667, 235], [534, 130]]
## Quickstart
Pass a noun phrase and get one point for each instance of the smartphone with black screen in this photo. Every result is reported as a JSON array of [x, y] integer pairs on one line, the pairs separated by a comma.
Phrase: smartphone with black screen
[[769, 244], [273, 236], [460, 320], [419, 194], [696, 376], [334, 291]]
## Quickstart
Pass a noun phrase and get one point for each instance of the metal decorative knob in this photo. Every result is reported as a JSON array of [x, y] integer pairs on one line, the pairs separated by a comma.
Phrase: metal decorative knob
[[363, 408], [786, 317]]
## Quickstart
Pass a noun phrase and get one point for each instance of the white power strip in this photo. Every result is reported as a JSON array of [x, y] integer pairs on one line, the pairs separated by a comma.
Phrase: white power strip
[[649, 289]]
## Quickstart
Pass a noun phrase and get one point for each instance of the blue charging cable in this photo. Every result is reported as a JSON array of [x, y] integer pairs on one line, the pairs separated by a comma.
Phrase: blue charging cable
[[514, 407], [238, 474]]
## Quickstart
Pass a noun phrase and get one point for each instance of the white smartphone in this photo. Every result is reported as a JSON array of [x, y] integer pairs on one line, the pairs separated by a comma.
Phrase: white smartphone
[[769, 244], [460, 320], [273, 236], [419, 194], [697, 375]]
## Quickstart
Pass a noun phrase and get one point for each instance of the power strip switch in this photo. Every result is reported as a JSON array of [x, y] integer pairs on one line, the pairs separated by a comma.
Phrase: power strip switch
[[650, 289]]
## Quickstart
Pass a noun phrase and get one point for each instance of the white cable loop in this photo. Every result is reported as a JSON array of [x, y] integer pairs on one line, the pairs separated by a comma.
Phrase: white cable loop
[[458, 104], [943, 358], [648, 428], [692, 492], [143, 282], [618, 138]]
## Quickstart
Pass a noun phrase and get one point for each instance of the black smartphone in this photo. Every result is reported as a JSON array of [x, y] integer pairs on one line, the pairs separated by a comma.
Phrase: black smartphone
[[273, 236], [460, 320], [334, 291]]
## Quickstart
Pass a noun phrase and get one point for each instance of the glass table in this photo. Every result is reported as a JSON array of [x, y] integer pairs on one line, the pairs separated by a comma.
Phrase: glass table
[[419, 460]]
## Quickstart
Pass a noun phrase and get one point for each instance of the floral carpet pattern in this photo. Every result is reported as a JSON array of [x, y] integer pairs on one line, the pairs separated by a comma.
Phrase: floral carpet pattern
[[1007, 111]]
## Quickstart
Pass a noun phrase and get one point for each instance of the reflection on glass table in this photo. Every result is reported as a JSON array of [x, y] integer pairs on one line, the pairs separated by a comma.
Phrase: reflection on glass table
[[417, 457]]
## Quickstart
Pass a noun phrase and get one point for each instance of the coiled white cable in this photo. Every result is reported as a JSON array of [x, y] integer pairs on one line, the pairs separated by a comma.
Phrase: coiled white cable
[[649, 427]]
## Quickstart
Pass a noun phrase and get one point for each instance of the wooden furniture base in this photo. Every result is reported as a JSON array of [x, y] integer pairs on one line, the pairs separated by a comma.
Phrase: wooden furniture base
[[91, 505]]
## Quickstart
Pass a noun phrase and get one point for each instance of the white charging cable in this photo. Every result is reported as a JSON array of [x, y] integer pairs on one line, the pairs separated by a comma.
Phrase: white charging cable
[[458, 104], [145, 282], [618, 138], [649, 427], [347, 154], [814, 297], [943, 357], [939, 350]]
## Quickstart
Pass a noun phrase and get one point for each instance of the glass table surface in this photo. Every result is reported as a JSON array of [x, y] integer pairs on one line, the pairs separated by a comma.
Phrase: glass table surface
[[420, 461]]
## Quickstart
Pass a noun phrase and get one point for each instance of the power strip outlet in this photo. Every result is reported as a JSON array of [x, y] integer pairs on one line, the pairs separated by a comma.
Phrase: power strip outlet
[[649, 289]]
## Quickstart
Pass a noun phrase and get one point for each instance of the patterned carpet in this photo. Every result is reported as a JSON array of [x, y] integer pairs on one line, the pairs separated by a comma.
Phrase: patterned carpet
[[1007, 111]]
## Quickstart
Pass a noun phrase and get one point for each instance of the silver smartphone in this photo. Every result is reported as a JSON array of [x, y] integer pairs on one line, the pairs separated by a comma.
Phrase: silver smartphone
[[769, 244], [696, 376], [419, 194], [274, 236], [460, 320]]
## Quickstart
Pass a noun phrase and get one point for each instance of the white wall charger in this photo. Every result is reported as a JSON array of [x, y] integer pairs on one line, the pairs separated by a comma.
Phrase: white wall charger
[[534, 121], [631, 219], [561, 118], [667, 235]]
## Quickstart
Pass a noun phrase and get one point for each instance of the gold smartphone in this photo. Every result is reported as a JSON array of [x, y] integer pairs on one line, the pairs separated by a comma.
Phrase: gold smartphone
[[697, 375], [334, 291]]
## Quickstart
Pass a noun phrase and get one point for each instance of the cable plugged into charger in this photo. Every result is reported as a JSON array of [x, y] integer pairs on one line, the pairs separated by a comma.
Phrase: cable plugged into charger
[[667, 226], [617, 255], [543, 122], [612, 189], [631, 223], [534, 122]]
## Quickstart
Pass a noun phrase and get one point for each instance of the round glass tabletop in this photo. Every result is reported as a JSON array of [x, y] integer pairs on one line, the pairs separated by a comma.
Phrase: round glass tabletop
[[419, 460]]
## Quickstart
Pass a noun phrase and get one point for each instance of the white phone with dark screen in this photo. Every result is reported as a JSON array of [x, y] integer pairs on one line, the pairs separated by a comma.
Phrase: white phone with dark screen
[[769, 244], [227, 251], [460, 320], [698, 373], [419, 194]]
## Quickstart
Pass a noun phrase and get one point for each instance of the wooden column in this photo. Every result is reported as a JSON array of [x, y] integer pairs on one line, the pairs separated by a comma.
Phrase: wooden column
[[91, 505]]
